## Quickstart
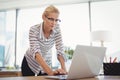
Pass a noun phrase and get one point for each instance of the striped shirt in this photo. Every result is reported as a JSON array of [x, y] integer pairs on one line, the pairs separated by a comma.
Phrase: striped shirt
[[42, 45]]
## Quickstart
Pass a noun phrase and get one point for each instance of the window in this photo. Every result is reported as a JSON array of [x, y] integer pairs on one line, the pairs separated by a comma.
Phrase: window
[[2, 37], [106, 16], [7, 37], [75, 23]]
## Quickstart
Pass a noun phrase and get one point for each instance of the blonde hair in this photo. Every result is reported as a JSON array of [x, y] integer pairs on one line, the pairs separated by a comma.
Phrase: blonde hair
[[50, 9]]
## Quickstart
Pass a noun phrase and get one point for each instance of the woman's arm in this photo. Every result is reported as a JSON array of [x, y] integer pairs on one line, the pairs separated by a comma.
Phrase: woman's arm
[[60, 50], [44, 65], [62, 62]]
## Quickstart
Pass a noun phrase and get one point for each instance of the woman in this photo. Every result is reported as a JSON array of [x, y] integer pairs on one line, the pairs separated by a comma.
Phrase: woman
[[42, 37]]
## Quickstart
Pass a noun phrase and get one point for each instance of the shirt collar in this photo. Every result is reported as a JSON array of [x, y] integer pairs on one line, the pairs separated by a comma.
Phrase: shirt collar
[[41, 30]]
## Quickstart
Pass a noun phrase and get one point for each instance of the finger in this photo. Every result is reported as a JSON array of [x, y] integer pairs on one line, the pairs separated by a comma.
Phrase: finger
[[63, 71], [56, 72]]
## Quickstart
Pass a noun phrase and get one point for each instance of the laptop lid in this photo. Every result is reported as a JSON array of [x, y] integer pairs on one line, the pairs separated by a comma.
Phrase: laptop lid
[[86, 61]]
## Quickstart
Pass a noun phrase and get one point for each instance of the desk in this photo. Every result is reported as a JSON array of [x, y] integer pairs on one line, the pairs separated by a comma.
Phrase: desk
[[43, 78], [10, 73]]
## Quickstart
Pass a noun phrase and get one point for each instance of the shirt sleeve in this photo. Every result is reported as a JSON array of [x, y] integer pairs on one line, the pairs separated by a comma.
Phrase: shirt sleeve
[[59, 43], [34, 41]]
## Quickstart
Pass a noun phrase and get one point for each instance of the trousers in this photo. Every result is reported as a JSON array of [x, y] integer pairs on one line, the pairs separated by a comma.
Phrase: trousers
[[26, 71]]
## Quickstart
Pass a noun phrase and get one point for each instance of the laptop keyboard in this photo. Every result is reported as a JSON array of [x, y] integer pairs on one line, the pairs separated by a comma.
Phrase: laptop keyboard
[[62, 76]]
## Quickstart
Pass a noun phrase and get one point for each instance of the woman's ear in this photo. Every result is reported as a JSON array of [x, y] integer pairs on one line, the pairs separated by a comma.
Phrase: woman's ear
[[43, 17]]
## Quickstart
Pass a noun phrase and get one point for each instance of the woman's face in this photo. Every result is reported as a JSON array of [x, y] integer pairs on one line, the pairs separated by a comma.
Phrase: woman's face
[[51, 20]]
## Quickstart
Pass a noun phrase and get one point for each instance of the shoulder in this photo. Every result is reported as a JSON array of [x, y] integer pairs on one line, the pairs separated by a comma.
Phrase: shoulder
[[57, 28], [35, 27]]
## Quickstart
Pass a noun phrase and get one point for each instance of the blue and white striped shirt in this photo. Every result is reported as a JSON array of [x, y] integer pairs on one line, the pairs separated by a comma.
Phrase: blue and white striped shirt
[[42, 45]]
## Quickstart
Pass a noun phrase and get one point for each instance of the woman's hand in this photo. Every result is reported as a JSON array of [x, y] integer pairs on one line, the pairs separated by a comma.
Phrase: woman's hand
[[59, 72]]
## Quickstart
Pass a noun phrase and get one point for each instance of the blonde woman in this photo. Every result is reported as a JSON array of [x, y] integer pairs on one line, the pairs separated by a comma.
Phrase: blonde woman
[[42, 37]]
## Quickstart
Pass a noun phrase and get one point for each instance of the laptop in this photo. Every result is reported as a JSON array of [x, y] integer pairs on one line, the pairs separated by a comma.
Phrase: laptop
[[86, 62]]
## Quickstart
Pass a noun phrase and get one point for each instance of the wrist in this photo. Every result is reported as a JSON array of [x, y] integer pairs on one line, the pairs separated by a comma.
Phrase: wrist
[[51, 73], [64, 68]]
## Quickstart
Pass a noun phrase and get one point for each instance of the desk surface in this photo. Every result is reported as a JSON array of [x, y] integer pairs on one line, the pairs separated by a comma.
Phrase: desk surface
[[43, 78], [10, 73]]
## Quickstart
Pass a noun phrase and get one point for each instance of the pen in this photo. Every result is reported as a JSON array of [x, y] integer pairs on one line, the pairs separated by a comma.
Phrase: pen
[[110, 59], [114, 59]]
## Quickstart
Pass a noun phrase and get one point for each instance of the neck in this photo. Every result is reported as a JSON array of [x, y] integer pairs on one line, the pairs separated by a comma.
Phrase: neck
[[45, 29]]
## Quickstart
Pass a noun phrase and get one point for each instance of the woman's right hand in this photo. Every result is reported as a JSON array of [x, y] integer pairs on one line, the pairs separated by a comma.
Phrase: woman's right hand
[[59, 72]]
